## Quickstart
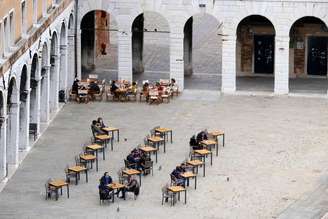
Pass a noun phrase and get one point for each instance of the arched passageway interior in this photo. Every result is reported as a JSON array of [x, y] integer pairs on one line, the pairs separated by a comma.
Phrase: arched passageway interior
[[33, 93], [23, 110], [12, 123], [54, 77], [308, 56], [44, 99], [71, 65], [202, 52], [2, 138], [63, 58], [255, 48], [99, 45], [150, 47]]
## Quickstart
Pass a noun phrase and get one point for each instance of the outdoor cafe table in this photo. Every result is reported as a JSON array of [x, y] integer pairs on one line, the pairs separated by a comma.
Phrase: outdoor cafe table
[[156, 141], [105, 138], [89, 158], [188, 175], [77, 170], [59, 184], [196, 164], [149, 150], [96, 148], [112, 130], [178, 189], [116, 186], [209, 144], [164, 132], [131, 172], [203, 154], [216, 134]]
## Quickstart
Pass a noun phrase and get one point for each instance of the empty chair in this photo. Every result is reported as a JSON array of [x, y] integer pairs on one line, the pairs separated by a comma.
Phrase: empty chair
[[166, 194], [148, 167]]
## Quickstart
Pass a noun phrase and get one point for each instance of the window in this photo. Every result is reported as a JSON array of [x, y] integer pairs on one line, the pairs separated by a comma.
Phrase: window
[[5, 35], [35, 11], [23, 17], [11, 30]]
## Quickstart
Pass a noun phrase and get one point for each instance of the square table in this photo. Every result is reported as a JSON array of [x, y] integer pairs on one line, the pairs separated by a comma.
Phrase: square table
[[77, 170], [149, 150], [105, 138], [188, 175], [112, 130], [196, 164], [116, 186], [165, 132], [203, 153], [89, 158], [59, 184], [216, 134], [209, 144], [131, 172], [178, 189], [96, 148], [156, 141]]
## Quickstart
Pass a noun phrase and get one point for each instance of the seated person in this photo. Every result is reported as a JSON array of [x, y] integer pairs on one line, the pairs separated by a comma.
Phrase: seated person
[[194, 143], [83, 94], [100, 123], [104, 190], [94, 88], [113, 87], [132, 90], [201, 136], [160, 88], [145, 91], [131, 186], [179, 180], [75, 86], [135, 158], [96, 129]]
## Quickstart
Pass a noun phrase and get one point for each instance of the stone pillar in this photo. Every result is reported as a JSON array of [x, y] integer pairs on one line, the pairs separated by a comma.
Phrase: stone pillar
[[71, 60], [176, 58], [54, 84], [78, 56], [13, 135], [3, 139], [281, 65], [137, 45], [187, 49], [228, 63], [63, 69], [45, 87], [125, 55]]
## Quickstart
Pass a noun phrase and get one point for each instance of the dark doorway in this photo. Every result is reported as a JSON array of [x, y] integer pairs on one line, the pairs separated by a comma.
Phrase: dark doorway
[[317, 56], [263, 54]]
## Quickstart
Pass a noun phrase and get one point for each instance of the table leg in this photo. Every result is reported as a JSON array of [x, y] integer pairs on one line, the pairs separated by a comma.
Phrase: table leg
[[171, 137], [195, 182], [118, 135], [76, 178], [164, 146], [204, 169], [97, 163], [61, 190], [86, 175], [211, 158], [156, 155], [57, 194], [111, 143], [67, 190], [140, 179], [217, 149], [103, 150], [186, 196], [223, 140]]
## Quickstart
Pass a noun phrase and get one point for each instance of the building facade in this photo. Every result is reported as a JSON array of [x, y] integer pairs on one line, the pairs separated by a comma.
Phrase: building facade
[[38, 38]]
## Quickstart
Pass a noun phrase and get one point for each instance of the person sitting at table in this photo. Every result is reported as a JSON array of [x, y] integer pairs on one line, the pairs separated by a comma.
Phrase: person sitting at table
[[134, 158], [83, 94], [131, 186], [94, 88], [145, 90], [101, 123], [201, 136], [104, 190], [178, 179], [75, 86], [96, 129], [132, 90]]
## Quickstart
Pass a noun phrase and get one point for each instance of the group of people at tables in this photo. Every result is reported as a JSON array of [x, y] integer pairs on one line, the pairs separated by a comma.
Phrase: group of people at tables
[[158, 90], [85, 90], [107, 193]]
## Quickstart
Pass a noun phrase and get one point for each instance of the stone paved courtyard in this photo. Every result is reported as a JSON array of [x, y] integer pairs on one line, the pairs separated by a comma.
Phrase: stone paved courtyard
[[275, 158]]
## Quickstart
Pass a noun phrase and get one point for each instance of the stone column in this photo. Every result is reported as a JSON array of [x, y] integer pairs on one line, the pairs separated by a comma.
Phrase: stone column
[[71, 60], [3, 139], [125, 55], [228, 63], [13, 135], [45, 87], [281, 65], [176, 58], [187, 49], [137, 45], [78, 56], [54, 84], [63, 68]]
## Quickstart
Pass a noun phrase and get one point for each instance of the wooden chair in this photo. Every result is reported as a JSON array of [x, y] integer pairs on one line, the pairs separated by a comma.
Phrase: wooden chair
[[121, 178], [148, 167], [166, 194], [49, 189], [99, 95], [154, 97], [69, 174], [129, 165]]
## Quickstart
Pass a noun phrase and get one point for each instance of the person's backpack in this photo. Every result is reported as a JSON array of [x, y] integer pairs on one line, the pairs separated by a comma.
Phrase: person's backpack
[[193, 141]]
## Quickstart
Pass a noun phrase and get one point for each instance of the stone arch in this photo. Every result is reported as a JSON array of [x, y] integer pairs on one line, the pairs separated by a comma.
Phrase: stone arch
[[3, 124], [63, 58], [12, 134], [255, 50], [54, 74], [44, 99], [207, 56], [23, 109], [150, 40]]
